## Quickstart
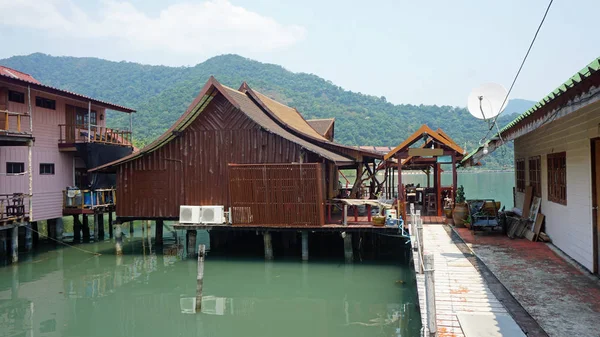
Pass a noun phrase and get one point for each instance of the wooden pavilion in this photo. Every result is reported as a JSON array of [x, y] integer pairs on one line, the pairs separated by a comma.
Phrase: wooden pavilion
[[437, 148]]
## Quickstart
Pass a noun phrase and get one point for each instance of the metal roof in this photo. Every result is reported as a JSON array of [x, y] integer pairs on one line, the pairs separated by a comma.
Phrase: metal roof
[[19, 78], [560, 91]]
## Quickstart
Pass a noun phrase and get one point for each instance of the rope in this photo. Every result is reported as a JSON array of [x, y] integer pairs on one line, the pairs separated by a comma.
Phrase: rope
[[66, 244]]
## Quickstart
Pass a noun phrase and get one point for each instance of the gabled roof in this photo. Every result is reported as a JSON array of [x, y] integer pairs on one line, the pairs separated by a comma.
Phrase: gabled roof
[[25, 80], [322, 126], [577, 84], [426, 130], [246, 105]]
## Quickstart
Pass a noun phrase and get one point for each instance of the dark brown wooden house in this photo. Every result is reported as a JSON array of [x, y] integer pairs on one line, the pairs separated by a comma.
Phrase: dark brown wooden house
[[239, 149]]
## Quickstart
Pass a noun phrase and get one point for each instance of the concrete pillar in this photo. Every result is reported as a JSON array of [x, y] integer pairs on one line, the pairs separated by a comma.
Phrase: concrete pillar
[[14, 249], [190, 238], [118, 239], [304, 245], [86, 228], [28, 237], [96, 228], [348, 252], [158, 232], [101, 226], [51, 229], [76, 228], [35, 236], [59, 229], [110, 224], [268, 246]]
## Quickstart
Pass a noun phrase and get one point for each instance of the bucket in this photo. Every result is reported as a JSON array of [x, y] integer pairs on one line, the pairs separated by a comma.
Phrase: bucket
[[391, 213]]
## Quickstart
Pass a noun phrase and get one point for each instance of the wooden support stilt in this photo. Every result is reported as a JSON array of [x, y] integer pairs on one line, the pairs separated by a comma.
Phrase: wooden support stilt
[[14, 249], [86, 228], [345, 215], [35, 236], [304, 245], [200, 277], [348, 251], [3, 244], [51, 229], [76, 228], [96, 228], [131, 228], [369, 213], [158, 232], [190, 238], [268, 246], [59, 229], [28, 238], [100, 226], [118, 239], [110, 224]]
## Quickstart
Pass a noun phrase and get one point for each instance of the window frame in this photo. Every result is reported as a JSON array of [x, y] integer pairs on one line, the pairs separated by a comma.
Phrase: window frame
[[47, 165], [45, 103], [535, 175], [81, 117], [557, 177], [11, 96], [10, 167], [520, 175]]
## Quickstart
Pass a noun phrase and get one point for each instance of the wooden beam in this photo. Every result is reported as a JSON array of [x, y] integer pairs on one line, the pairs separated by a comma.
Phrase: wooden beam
[[454, 179], [424, 152]]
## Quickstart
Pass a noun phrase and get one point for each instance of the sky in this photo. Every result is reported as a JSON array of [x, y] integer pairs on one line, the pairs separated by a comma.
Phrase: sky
[[418, 52]]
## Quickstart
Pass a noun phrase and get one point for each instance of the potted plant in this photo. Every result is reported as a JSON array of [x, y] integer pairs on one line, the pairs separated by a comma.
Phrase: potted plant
[[460, 212]]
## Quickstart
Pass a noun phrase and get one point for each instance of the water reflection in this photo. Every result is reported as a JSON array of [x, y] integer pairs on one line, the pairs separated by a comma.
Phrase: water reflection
[[68, 293]]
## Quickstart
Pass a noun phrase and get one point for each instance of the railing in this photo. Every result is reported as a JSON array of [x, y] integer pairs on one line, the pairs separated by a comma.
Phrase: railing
[[70, 134], [16, 125], [89, 199], [425, 266], [12, 206]]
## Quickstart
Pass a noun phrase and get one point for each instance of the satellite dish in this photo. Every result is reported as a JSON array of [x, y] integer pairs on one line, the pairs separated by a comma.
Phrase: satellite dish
[[486, 101]]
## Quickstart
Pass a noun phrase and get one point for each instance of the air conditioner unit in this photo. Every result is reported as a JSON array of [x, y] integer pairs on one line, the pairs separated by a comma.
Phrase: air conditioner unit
[[212, 214], [190, 214]]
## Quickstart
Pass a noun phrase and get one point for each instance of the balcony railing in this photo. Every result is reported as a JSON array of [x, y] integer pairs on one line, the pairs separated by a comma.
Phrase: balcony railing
[[89, 199], [70, 134], [12, 207], [12, 122]]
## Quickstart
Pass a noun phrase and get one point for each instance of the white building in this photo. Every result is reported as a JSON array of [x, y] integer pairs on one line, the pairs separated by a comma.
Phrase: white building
[[557, 152]]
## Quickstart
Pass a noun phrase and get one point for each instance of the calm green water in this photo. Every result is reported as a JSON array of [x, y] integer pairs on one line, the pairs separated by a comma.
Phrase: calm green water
[[492, 185], [145, 293]]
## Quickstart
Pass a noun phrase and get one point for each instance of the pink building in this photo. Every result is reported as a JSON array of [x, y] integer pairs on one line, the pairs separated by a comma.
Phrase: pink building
[[49, 138]]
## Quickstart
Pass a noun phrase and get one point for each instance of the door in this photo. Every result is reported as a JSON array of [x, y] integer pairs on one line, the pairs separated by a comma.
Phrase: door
[[596, 201], [69, 132]]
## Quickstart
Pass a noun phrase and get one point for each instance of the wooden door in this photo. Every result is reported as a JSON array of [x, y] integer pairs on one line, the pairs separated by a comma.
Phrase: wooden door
[[596, 201], [69, 131], [3, 108]]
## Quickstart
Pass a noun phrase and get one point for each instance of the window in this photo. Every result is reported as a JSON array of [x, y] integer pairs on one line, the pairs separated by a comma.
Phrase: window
[[46, 168], [557, 177], [520, 171], [535, 175], [15, 96], [45, 103], [81, 178], [15, 168], [81, 117]]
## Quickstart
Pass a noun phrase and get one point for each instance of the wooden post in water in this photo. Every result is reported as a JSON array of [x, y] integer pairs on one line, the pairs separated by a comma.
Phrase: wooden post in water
[[100, 226], [304, 245], [14, 250], [28, 238], [96, 228], [158, 233], [200, 277], [348, 252], [420, 244], [430, 294], [86, 228], [76, 228], [118, 239], [110, 224], [60, 228], [190, 238], [131, 227], [268, 246], [3, 245]]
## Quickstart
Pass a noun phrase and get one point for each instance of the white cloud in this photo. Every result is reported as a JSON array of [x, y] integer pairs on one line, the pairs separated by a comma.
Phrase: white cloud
[[192, 28]]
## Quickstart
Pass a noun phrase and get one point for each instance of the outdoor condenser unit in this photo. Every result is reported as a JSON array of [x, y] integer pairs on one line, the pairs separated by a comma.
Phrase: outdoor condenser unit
[[190, 214]]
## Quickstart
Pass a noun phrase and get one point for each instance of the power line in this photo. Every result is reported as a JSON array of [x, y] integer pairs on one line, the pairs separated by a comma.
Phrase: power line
[[520, 67]]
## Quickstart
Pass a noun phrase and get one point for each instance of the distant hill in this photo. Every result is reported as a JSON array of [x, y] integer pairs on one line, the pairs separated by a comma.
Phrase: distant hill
[[161, 94]]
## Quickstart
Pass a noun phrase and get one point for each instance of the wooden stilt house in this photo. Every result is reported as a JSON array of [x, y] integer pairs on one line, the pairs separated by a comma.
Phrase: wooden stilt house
[[238, 149]]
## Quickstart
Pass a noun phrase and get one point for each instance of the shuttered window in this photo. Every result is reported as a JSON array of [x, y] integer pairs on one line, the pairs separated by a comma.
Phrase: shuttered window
[[520, 172], [535, 175], [557, 178]]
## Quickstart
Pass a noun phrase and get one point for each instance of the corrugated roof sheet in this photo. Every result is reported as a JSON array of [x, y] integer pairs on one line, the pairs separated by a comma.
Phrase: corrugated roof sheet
[[21, 78], [562, 89], [321, 125]]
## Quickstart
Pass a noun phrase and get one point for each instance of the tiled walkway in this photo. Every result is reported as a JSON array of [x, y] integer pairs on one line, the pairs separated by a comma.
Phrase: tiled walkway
[[563, 299], [459, 287]]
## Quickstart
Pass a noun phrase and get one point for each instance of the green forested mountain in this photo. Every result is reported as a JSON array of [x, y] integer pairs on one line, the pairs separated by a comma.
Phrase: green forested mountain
[[160, 94]]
